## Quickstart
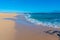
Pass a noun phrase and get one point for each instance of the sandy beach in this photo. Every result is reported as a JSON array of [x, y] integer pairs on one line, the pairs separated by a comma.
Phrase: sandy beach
[[23, 30], [7, 30]]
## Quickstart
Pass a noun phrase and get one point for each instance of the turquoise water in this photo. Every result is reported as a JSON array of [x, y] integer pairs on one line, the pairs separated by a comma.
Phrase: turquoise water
[[46, 17], [51, 19]]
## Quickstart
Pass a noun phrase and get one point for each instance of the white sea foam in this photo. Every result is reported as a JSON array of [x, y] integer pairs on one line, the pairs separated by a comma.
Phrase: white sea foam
[[49, 24]]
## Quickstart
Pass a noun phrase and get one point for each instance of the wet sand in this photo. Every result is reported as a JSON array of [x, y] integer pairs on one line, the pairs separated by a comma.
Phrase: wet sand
[[34, 32], [23, 30], [28, 31]]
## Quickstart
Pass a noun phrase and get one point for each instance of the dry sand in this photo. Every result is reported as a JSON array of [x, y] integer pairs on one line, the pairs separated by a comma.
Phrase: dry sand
[[10, 30], [7, 31]]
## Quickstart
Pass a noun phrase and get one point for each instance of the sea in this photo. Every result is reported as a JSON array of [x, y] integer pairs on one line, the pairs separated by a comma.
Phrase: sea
[[46, 19]]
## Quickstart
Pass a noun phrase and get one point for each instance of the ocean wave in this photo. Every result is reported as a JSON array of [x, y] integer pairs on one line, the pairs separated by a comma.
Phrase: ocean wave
[[37, 22]]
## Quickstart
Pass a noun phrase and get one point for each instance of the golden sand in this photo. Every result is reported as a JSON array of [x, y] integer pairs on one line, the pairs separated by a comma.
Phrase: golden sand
[[7, 30]]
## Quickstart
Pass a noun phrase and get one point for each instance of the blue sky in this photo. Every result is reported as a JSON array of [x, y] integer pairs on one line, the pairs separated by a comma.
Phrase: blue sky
[[30, 5]]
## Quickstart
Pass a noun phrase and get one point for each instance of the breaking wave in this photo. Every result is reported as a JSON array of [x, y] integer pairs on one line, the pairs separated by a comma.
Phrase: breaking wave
[[37, 22]]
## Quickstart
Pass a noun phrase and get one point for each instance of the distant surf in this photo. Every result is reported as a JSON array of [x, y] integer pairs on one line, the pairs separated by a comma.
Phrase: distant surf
[[46, 19]]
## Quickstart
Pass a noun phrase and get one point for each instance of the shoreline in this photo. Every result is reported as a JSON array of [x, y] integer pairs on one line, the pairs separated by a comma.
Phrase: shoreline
[[37, 22], [27, 31], [20, 29]]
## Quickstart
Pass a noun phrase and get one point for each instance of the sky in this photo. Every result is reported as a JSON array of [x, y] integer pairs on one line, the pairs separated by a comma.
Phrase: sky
[[29, 5]]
